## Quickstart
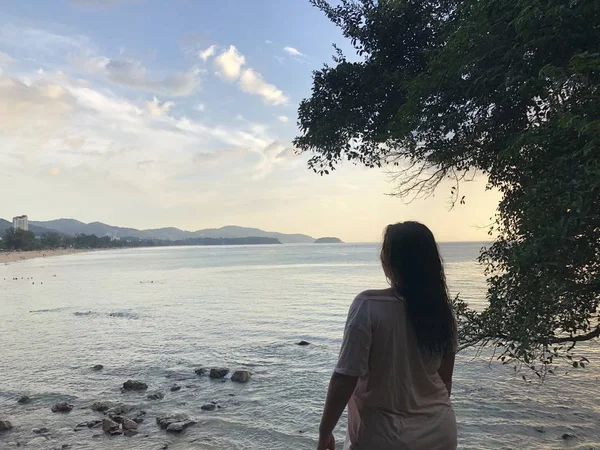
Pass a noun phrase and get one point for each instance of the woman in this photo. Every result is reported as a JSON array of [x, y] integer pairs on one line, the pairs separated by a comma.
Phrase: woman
[[395, 366]]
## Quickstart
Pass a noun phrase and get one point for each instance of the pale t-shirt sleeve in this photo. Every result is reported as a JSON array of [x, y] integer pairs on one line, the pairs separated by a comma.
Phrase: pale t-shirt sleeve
[[354, 354]]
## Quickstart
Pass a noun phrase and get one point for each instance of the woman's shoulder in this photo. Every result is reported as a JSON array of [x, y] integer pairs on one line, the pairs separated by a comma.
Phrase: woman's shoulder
[[378, 294]]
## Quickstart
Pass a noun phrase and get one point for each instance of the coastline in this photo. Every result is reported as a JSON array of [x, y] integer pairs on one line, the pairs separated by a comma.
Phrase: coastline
[[15, 257]]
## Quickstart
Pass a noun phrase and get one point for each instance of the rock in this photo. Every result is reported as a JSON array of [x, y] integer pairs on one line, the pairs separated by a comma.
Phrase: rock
[[129, 424], [241, 376], [5, 425], [65, 446], [176, 427], [62, 407], [303, 343], [175, 388], [208, 407], [164, 447], [94, 423], [134, 385], [98, 367], [100, 406], [569, 436], [156, 396], [140, 417], [40, 430], [110, 427], [165, 421], [540, 429], [200, 371], [116, 418], [218, 373], [80, 426], [119, 410], [24, 400], [130, 433]]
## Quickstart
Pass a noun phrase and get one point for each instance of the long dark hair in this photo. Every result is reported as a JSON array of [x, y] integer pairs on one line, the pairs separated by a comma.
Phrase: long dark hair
[[413, 265]]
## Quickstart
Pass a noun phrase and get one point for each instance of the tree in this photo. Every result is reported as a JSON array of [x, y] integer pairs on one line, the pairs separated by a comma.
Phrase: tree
[[51, 239], [17, 239], [448, 89]]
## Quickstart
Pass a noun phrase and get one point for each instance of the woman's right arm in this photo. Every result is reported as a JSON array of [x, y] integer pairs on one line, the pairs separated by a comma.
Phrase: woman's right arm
[[446, 369]]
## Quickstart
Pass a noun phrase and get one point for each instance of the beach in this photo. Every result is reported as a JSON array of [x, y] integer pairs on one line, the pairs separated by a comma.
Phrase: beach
[[75, 329], [13, 257]]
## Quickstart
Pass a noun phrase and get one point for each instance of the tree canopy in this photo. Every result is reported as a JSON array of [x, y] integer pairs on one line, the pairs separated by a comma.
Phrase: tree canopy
[[511, 90]]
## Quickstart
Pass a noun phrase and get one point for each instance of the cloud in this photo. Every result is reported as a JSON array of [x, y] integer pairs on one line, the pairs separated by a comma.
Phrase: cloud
[[268, 42], [293, 51], [200, 107], [31, 105], [253, 83], [229, 63], [283, 119], [157, 109], [134, 74], [207, 53], [5, 59]]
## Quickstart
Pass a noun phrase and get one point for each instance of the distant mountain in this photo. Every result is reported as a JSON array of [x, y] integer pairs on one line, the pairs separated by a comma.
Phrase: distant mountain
[[5, 224], [328, 240], [72, 226]]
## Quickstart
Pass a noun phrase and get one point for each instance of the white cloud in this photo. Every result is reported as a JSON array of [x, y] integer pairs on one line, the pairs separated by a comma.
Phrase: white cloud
[[200, 107], [157, 109], [229, 63], [293, 51], [283, 119], [268, 42], [207, 53], [253, 83]]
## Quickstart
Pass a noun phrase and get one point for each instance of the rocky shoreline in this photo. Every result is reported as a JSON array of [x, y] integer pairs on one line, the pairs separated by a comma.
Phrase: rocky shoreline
[[115, 418]]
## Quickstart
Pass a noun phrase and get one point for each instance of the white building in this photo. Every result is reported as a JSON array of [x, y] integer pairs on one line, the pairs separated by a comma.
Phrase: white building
[[20, 223]]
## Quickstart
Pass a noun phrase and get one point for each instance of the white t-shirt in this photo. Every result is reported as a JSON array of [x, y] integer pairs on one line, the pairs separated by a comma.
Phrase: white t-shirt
[[400, 401]]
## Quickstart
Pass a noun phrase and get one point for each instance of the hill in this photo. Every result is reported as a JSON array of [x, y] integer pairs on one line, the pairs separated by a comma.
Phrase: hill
[[72, 227], [328, 240]]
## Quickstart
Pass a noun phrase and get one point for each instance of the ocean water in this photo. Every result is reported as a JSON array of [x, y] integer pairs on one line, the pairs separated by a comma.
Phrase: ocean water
[[157, 314]]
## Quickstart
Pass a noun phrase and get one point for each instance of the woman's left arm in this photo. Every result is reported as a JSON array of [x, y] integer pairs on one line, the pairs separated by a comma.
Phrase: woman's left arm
[[340, 390]]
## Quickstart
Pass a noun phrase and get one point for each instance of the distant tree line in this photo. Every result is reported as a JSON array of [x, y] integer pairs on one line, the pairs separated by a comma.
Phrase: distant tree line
[[22, 240]]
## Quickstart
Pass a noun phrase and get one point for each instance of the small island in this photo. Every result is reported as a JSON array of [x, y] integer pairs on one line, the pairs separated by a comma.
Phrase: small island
[[329, 240]]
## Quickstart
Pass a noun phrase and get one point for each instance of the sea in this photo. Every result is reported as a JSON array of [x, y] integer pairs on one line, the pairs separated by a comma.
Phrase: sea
[[157, 314]]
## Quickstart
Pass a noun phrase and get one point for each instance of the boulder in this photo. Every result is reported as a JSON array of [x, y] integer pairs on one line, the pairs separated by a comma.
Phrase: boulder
[[101, 406], [62, 407], [40, 430], [98, 367], [176, 427], [303, 343], [208, 407], [5, 425], [175, 388], [200, 371], [569, 436], [219, 372], [24, 400], [134, 385], [129, 424], [155, 396], [241, 376], [165, 421], [94, 423], [110, 427]]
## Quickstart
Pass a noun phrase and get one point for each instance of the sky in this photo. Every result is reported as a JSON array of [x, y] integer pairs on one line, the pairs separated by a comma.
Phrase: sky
[[148, 114]]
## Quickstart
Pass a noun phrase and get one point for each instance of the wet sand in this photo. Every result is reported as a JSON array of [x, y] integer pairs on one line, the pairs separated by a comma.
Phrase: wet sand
[[13, 257]]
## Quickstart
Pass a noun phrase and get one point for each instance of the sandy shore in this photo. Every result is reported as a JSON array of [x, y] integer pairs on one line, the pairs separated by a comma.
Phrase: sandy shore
[[13, 257]]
